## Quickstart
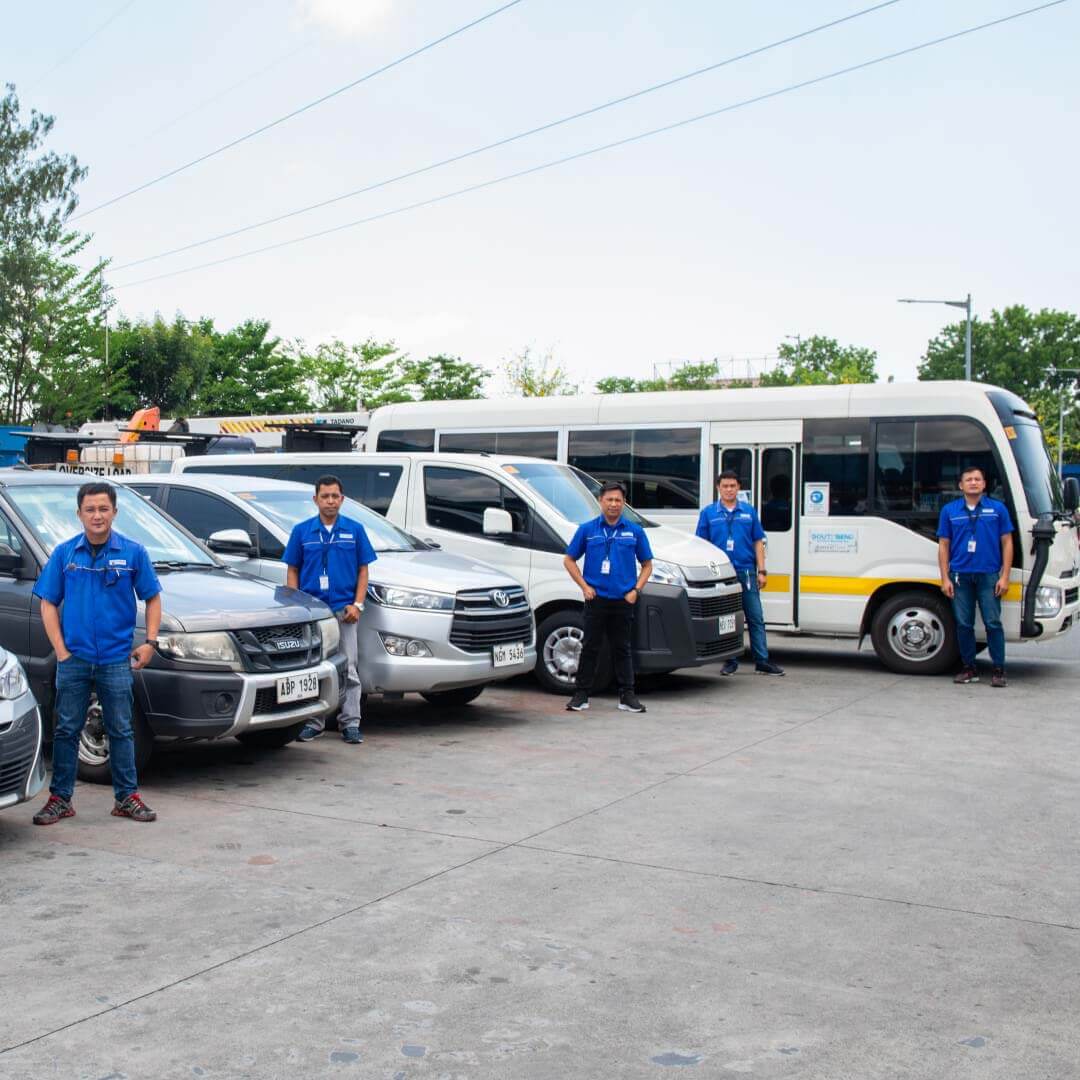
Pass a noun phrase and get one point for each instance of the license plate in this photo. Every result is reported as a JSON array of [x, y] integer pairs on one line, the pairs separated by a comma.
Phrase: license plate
[[298, 687], [505, 655], [726, 624]]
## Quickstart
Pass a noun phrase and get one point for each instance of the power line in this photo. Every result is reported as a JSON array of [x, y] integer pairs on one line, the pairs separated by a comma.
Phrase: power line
[[296, 112], [511, 138], [817, 80], [86, 41]]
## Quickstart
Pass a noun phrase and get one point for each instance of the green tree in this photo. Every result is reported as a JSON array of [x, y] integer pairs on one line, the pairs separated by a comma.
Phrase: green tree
[[617, 384], [442, 378], [691, 376], [532, 376], [1022, 351], [340, 377], [821, 361]]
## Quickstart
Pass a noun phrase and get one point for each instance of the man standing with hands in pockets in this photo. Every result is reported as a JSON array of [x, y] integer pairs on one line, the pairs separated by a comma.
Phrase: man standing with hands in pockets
[[328, 557], [975, 550], [96, 577], [611, 583]]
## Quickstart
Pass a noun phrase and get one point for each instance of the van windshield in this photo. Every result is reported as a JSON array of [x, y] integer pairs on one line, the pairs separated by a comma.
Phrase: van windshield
[[287, 507], [570, 492], [49, 510]]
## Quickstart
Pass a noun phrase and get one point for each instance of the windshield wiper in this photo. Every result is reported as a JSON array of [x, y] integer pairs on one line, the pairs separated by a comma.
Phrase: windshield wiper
[[180, 564]]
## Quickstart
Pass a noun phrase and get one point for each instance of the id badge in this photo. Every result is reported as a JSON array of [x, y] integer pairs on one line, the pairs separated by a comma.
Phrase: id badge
[[971, 547], [730, 544], [605, 567], [324, 582]]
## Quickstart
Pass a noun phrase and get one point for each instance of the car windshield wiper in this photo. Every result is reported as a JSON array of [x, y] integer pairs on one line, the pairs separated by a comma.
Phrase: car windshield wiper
[[180, 564]]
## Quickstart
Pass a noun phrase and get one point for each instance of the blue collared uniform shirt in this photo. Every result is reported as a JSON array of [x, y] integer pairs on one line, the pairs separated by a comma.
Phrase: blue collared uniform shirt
[[315, 551], [623, 545], [98, 595], [985, 525], [734, 532]]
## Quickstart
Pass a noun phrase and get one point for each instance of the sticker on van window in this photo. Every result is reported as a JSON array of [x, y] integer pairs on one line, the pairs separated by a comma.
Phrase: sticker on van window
[[245, 495], [512, 469]]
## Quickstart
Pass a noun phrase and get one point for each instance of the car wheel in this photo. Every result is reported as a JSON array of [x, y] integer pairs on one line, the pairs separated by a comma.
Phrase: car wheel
[[94, 744], [914, 634], [558, 649], [453, 699], [271, 738]]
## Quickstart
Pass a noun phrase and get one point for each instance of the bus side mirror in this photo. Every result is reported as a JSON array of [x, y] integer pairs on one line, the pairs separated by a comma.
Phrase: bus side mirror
[[497, 522], [1072, 493]]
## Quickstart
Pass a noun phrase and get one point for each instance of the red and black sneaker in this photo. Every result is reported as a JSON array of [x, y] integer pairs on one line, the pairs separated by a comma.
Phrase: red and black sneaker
[[55, 808], [133, 807]]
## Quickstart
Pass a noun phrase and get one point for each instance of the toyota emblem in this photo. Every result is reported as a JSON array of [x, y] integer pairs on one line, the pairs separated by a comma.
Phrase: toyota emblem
[[501, 599]]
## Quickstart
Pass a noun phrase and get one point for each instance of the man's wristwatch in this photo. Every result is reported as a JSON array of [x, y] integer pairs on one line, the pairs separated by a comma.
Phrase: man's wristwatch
[[151, 641]]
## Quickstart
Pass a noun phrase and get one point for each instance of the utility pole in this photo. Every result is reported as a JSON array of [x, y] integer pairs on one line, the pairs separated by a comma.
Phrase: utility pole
[[1061, 417], [966, 305]]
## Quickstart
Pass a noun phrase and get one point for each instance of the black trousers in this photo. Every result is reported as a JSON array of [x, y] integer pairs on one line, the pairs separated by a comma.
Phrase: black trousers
[[613, 619]]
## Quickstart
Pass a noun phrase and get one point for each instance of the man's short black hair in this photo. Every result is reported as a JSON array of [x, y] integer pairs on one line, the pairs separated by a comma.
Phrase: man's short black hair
[[728, 474], [612, 485], [329, 480], [96, 487], [973, 468]]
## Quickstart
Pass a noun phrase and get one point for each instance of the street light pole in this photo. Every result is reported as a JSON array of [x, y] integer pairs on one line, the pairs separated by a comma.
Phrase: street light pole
[[1061, 416], [966, 305]]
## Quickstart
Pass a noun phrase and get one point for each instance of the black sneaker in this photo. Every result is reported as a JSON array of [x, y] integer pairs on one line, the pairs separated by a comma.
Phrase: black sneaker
[[966, 675], [579, 702], [133, 807], [55, 808], [998, 679], [767, 667], [628, 702], [730, 667]]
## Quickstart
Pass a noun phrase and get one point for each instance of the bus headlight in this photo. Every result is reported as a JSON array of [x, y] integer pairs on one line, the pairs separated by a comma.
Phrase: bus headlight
[[1047, 601], [667, 573]]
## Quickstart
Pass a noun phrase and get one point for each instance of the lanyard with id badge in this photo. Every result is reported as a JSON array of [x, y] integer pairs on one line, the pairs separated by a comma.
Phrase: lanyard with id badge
[[609, 539], [324, 578], [729, 521], [973, 517]]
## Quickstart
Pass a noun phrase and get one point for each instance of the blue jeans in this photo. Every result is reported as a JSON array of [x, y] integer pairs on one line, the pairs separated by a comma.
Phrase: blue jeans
[[75, 678], [755, 617], [969, 590]]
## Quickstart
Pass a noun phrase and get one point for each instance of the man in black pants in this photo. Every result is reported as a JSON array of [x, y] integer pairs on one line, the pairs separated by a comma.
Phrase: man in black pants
[[611, 583]]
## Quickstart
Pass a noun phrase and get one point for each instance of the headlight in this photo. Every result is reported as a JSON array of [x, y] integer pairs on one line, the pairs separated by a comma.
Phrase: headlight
[[12, 679], [667, 573], [212, 648], [1047, 601], [402, 646], [390, 596], [331, 635]]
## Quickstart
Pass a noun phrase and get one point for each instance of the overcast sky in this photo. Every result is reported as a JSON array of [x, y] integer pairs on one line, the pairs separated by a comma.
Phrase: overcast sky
[[949, 171]]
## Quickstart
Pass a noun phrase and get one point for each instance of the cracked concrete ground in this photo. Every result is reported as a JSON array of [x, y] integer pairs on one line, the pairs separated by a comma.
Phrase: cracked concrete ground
[[838, 874]]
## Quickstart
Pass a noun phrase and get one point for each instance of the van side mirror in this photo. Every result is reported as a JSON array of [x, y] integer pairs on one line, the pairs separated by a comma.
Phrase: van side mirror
[[1072, 493], [231, 542], [497, 522]]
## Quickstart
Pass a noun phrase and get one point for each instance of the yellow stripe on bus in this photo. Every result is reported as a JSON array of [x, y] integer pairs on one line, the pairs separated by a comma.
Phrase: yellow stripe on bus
[[859, 586], [778, 583]]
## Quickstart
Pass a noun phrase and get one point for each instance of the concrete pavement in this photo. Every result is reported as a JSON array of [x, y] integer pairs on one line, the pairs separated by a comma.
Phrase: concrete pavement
[[842, 873]]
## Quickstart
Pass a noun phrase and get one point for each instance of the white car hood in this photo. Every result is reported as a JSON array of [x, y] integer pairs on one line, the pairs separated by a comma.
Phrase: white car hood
[[701, 559]]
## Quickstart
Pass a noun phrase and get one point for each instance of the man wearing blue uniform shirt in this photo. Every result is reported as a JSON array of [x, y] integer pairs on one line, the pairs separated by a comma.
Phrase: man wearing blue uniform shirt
[[975, 549], [735, 529], [87, 592], [611, 583], [328, 557]]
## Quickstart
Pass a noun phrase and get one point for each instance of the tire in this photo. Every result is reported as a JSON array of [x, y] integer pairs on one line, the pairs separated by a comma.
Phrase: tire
[[94, 745], [453, 699], [271, 738], [914, 634], [558, 645]]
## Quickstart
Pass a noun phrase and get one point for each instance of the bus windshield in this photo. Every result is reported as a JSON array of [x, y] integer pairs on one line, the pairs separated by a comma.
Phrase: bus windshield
[[568, 490], [1042, 486]]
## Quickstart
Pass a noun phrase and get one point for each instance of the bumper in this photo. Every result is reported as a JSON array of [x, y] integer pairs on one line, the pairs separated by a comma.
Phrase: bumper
[[214, 704], [448, 668], [22, 759], [678, 628]]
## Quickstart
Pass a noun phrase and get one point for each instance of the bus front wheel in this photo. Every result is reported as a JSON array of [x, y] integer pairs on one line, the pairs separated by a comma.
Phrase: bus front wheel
[[913, 634]]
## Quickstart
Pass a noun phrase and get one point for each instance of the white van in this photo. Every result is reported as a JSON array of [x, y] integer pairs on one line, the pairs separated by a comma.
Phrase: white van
[[518, 514]]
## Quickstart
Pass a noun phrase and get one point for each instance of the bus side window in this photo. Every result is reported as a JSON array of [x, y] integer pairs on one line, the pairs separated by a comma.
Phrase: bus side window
[[417, 439], [776, 477], [837, 452]]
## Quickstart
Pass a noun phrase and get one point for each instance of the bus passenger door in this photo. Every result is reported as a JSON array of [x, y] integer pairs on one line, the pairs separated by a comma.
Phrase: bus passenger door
[[767, 480]]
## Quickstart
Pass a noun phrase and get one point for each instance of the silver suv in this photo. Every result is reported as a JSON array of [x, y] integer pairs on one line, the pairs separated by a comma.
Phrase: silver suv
[[22, 758]]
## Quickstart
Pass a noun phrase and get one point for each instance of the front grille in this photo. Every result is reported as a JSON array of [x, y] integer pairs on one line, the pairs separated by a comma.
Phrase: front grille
[[1071, 596], [480, 621], [280, 648], [709, 607], [723, 645], [266, 702], [13, 773], [486, 601], [17, 748]]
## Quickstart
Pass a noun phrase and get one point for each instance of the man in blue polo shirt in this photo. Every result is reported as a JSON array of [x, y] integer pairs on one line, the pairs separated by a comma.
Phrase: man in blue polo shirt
[[735, 529], [611, 583], [87, 592], [975, 550], [328, 557]]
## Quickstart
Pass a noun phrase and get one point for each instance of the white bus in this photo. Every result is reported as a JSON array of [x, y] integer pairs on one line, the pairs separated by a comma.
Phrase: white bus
[[848, 481]]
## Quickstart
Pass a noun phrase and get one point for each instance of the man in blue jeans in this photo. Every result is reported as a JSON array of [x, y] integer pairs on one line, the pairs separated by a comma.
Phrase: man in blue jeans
[[735, 529], [96, 577], [975, 550]]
